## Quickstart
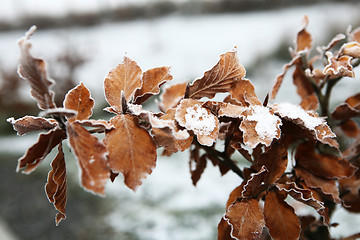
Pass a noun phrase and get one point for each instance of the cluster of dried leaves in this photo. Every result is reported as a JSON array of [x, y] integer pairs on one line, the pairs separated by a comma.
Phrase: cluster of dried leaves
[[292, 150]]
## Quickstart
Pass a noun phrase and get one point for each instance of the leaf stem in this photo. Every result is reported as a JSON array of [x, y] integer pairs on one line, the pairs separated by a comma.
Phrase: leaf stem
[[222, 157]]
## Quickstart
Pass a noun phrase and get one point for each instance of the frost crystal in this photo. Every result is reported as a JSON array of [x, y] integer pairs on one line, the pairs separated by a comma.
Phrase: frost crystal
[[266, 123], [199, 120], [297, 112]]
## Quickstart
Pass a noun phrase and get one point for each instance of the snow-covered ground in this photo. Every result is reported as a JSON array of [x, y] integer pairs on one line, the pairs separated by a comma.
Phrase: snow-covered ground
[[190, 46]]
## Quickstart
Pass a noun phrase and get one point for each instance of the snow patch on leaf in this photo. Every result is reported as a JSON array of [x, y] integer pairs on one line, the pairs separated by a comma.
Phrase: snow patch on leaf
[[199, 120]]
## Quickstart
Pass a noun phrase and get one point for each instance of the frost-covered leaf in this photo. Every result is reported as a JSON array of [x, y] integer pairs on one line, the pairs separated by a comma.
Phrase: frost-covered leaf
[[326, 186], [37, 152], [349, 109], [351, 49], [205, 125], [224, 230], [126, 77], [172, 96], [152, 81], [219, 79], [323, 165], [338, 67], [59, 112], [243, 91], [246, 219], [275, 160], [350, 192], [91, 154], [30, 124], [310, 102], [260, 125], [304, 195], [167, 134], [98, 124], [304, 38], [33, 70], [338, 38], [280, 218], [79, 99], [255, 184], [306, 119], [56, 186], [231, 110], [132, 151]]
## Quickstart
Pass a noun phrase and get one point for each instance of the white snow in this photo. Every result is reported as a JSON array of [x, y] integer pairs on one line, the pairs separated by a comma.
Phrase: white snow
[[266, 123], [293, 111], [199, 120]]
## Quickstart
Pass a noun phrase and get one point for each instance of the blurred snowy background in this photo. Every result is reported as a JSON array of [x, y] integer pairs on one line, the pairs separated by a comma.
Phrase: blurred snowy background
[[83, 39]]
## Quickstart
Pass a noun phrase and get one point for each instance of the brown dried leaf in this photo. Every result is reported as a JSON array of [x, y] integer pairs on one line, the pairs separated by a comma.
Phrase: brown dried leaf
[[260, 125], [338, 67], [246, 219], [349, 109], [310, 102], [243, 91], [132, 151], [304, 195], [33, 70], [30, 124], [280, 218], [205, 125], [323, 165], [126, 77], [255, 184], [171, 96], [219, 79], [326, 186], [98, 124], [350, 192], [224, 230], [338, 38], [302, 83], [91, 154], [167, 134], [279, 79], [275, 160], [56, 185], [351, 49], [59, 112], [152, 81], [200, 165], [37, 152], [304, 38], [231, 110], [79, 99], [308, 120], [350, 128]]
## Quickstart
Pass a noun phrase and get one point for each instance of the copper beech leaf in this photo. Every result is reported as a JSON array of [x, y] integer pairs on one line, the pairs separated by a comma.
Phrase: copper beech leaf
[[197, 171], [324, 165], [326, 186], [37, 152], [91, 154], [56, 185], [246, 219], [126, 77], [167, 134], [132, 151], [152, 80], [349, 109], [79, 99], [243, 91], [30, 124], [260, 125], [33, 70], [338, 67], [172, 96], [224, 230], [280, 218], [351, 49], [304, 38], [219, 79], [205, 125]]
